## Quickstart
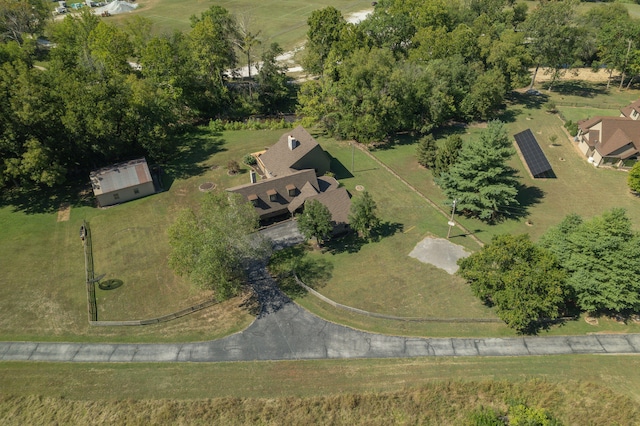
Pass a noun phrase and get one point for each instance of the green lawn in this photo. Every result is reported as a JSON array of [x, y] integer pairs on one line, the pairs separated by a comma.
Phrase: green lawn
[[42, 290], [580, 389], [284, 22]]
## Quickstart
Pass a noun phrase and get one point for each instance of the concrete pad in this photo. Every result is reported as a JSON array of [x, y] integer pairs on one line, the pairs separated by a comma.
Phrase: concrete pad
[[418, 347], [442, 347], [439, 252]]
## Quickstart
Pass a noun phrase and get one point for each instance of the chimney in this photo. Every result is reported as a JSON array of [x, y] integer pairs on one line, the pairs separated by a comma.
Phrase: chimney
[[292, 142], [252, 175]]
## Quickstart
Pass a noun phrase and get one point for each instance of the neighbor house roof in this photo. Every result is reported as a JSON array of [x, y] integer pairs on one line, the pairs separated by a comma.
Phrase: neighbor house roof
[[119, 176], [272, 196], [279, 158], [616, 133], [628, 110]]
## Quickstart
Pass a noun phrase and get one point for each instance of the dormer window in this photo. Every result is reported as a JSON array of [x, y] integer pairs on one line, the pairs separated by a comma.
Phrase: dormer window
[[292, 190], [273, 195], [253, 198]]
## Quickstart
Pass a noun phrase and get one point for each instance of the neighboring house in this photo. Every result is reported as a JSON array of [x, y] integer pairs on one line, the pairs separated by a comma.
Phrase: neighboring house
[[291, 170], [122, 182], [613, 141], [295, 150], [631, 111]]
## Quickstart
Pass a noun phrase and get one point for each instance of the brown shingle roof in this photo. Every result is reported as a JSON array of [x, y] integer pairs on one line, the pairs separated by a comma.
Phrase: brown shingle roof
[[279, 158], [634, 106], [616, 133], [277, 186], [338, 202], [305, 192]]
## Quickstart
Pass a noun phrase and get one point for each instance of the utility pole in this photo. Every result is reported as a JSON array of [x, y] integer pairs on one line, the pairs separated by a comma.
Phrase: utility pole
[[451, 222], [626, 59]]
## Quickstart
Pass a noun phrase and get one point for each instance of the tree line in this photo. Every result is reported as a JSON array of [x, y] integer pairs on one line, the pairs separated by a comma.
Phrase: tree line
[[414, 65], [106, 93]]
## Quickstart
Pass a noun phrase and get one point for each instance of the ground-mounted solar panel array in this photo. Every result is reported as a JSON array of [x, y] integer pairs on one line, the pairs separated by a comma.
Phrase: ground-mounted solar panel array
[[534, 157]]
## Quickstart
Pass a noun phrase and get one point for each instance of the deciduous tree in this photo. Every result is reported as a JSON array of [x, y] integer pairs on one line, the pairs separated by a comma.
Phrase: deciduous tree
[[634, 178], [315, 221], [212, 245], [362, 217], [524, 282]]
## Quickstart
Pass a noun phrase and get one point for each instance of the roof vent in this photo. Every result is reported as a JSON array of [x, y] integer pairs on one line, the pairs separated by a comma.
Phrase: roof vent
[[293, 142]]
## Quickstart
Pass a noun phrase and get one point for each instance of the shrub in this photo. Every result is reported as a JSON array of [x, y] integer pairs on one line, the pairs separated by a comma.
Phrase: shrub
[[249, 160], [571, 127], [551, 107]]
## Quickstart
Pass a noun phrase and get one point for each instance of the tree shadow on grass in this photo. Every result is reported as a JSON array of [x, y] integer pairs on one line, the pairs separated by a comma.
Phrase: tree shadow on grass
[[528, 196], [313, 271], [528, 100], [352, 242], [195, 147], [39, 200], [579, 88]]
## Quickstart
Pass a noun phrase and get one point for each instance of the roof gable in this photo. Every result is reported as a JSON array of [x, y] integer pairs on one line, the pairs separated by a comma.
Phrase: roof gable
[[616, 133], [279, 158]]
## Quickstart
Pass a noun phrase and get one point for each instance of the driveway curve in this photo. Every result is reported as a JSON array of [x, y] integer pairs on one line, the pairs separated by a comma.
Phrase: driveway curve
[[285, 331]]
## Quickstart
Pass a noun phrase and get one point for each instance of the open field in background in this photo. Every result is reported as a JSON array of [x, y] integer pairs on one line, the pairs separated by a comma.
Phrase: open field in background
[[587, 389], [42, 290], [284, 22]]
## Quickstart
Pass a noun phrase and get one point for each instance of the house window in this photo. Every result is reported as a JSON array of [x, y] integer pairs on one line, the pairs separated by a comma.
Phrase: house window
[[253, 198], [292, 190], [136, 190], [273, 195], [116, 196]]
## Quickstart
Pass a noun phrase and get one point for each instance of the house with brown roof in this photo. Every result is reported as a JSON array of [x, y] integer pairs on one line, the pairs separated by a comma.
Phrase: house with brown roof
[[613, 141], [122, 182], [292, 174], [631, 111], [295, 150]]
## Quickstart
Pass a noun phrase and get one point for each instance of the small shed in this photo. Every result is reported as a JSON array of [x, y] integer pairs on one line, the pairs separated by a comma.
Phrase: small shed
[[122, 182]]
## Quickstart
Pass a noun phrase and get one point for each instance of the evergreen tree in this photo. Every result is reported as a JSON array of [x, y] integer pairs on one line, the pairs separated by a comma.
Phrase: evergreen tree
[[362, 216], [315, 221], [427, 151], [447, 154], [602, 258], [480, 179]]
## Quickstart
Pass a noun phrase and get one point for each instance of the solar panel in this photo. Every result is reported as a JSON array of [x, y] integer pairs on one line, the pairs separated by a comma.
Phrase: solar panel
[[534, 157]]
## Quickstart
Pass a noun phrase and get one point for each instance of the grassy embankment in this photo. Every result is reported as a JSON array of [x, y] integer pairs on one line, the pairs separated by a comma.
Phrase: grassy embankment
[[578, 390]]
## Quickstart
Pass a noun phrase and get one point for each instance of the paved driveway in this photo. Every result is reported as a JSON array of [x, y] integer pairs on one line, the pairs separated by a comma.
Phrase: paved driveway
[[285, 331]]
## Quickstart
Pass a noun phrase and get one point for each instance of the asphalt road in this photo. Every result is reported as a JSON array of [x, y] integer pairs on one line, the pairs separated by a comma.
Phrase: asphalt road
[[285, 331]]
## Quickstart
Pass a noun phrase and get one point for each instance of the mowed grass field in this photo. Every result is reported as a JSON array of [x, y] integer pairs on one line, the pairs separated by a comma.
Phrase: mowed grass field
[[279, 21], [578, 390], [42, 290]]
